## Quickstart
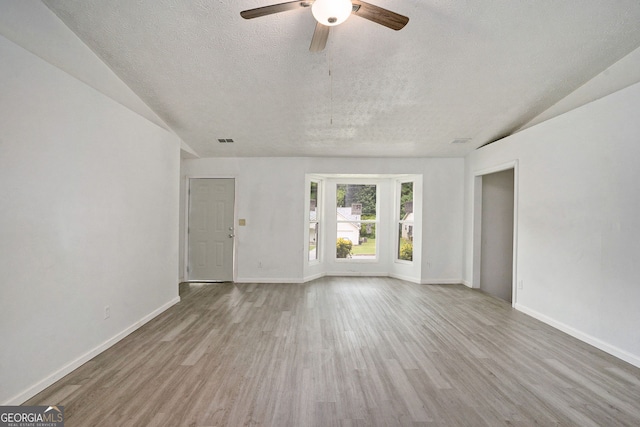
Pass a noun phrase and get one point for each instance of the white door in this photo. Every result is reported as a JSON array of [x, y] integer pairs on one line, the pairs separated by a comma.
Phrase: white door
[[210, 230]]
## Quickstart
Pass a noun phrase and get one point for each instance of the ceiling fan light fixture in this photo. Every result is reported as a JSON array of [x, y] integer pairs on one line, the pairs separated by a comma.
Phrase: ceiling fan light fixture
[[331, 12]]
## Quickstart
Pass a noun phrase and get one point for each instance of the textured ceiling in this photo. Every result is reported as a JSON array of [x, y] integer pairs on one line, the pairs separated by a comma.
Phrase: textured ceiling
[[460, 69]]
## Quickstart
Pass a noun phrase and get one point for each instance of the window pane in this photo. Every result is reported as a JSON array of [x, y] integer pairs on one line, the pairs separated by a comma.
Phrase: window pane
[[314, 235], [313, 202], [356, 240], [406, 201], [366, 247], [356, 202], [313, 241], [405, 226], [405, 241], [343, 247]]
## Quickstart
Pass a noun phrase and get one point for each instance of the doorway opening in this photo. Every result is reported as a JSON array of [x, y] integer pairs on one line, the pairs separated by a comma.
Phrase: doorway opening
[[495, 225]]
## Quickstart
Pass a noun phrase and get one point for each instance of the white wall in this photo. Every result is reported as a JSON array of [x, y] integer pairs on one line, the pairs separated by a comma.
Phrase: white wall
[[578, 228], [620, 75], [30, 24], [441, 220], [270, 195], [88, 218]]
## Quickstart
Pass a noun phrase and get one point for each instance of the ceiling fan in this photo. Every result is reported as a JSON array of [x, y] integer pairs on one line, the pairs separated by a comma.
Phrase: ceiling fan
[[329, 13]]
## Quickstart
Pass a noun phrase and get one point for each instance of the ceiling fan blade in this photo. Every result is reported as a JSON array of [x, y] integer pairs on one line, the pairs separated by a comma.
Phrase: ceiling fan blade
[[379, 15], [274, 8], [320, 36]]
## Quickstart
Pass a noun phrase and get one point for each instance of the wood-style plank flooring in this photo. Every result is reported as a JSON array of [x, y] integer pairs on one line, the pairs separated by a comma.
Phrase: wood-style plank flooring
[[347, 352]]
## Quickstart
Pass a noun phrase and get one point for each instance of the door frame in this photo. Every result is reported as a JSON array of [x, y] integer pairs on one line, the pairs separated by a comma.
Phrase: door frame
[[187, 200], [477, 224]]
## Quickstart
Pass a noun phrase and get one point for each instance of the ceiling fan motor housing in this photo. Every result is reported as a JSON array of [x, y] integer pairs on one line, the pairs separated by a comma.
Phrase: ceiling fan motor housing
[[331, 12]]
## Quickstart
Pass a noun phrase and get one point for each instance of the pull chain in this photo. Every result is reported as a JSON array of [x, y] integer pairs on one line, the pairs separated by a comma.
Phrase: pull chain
[[330, 90]]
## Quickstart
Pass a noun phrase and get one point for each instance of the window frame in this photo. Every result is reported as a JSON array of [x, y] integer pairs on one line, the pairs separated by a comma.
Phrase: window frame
[[375, 222], [317, 221], [399, 222]]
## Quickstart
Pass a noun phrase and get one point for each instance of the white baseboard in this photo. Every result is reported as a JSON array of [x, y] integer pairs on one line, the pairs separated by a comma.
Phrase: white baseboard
[[267, 280], [467, 283], [441, 282], [46, 382], [347, 274], [357, 274], [312, 277], [405, 278], [604, 346]]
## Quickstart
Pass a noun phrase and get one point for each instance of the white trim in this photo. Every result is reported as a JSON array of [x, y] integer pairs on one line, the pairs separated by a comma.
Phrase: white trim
[[185, 243], [441, 282], [358, 274], [312, 277], [476, 232], [405, 278], [589, 339], [398, 221], [46, 382], [318, 263], [514, 268], [349, 274], [319, 221], [355, 260], [268, 280], [498, 168], [467, 283], [207, 282]]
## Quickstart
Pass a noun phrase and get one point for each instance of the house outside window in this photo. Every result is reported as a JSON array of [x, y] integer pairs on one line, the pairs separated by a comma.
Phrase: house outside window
[[314, 221], [356, 221], [405, 217]]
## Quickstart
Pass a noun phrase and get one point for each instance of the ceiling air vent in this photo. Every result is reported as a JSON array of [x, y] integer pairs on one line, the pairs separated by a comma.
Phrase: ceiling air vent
[[225, 140]]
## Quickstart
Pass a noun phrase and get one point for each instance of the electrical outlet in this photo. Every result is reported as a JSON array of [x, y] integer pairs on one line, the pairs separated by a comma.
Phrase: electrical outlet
[[107, 312], [520, 284]]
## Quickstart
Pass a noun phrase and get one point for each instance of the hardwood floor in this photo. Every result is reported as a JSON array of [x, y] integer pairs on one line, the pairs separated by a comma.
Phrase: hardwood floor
[[347, 352]]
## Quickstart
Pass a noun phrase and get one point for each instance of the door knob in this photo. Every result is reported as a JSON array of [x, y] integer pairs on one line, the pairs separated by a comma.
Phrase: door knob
[[231, 235]]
